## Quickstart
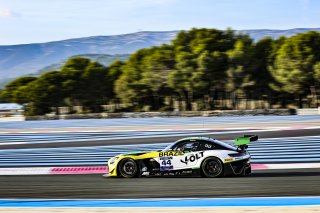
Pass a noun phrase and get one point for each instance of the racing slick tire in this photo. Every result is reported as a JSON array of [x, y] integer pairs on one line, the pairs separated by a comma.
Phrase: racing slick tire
[[128, 168], [211, 167]]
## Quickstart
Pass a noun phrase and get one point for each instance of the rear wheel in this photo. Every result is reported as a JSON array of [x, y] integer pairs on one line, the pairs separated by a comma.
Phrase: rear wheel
[[128, 168], [211, 167]]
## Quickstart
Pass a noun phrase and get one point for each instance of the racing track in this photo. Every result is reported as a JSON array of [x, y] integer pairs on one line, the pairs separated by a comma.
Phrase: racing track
[[164, 139], [261, 183], [266, 183]]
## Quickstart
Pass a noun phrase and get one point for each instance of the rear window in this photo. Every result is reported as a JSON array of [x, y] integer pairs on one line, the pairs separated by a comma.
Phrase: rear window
[[206, 146]]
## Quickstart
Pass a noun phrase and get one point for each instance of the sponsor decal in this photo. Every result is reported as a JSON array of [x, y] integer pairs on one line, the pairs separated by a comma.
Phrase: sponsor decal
[[165, 168], [192, 158], [166, 158], [170, 153], [208, 146], [146, 173], [166, 163], [228, 159]]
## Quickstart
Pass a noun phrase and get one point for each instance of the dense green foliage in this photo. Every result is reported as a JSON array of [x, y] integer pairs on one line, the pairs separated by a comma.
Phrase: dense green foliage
[[200, 65]]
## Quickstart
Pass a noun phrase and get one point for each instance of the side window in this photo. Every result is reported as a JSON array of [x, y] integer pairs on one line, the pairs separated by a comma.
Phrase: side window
[[179, 146], [190, 146], [206, 146]]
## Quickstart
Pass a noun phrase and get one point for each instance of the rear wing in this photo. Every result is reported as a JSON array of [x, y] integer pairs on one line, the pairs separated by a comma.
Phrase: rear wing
[[242, 142], [246, 139]]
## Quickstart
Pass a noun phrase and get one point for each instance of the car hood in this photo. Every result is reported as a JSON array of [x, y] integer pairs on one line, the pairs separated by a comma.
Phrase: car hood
[[134, 153]]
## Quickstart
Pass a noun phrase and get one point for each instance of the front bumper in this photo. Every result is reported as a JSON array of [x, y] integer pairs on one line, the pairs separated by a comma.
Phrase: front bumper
[[112, 171]]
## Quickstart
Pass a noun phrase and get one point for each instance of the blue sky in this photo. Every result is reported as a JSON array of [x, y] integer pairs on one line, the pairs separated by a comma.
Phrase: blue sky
[[29, 21]]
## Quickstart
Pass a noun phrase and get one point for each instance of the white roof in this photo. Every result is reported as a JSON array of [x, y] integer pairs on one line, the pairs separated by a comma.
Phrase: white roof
[[10, 106]]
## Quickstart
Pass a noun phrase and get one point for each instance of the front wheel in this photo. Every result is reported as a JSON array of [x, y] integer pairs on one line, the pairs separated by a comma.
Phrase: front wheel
[[211, 167], [128, 168]]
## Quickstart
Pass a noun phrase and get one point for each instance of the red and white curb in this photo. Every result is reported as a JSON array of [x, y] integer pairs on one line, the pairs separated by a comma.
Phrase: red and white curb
[[82, 170], [54, 170], [285, 166]]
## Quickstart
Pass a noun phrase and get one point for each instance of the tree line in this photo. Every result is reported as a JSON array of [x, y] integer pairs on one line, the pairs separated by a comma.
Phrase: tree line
[[198, 66]]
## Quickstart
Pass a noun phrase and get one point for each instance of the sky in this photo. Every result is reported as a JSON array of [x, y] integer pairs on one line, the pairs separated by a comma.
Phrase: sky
[[35, 21]]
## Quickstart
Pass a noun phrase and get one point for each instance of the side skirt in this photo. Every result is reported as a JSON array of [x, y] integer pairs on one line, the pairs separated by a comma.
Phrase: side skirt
[[182, 172]]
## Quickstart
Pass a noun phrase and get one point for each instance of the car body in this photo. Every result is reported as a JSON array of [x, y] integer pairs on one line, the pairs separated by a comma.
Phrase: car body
[[189, 156]]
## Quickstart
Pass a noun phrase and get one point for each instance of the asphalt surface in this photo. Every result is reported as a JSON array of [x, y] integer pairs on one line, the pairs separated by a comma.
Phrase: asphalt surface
[[165, 139], [141, 122], [262, 183]]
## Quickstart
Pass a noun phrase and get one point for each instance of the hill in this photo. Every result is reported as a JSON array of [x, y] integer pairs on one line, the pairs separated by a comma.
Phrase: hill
[[18, 60], [103, 59]]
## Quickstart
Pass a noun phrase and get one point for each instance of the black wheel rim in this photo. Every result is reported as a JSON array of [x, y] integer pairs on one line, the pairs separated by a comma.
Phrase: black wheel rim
[[129, 168], [213, 168]]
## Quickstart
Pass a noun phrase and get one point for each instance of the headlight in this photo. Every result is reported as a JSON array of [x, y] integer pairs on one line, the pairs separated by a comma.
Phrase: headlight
[[113, 160]]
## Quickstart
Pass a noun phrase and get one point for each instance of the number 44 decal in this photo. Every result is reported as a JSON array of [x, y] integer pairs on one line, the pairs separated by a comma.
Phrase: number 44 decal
[[166, 162]]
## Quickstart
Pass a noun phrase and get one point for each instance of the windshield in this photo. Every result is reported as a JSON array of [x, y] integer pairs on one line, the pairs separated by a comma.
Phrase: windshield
[[168, 148]]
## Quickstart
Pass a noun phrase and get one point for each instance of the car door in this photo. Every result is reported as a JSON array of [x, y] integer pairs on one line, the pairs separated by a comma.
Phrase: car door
[[190, 157], [168, 160], [184, 155]]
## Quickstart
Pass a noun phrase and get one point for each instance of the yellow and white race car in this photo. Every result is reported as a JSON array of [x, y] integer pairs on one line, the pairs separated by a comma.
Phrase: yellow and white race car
[[189, 156]]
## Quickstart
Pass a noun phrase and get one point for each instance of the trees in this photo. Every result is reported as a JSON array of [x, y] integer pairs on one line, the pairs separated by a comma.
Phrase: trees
[[316, 73], [44, 93], [17, 90], [295, 63], [129, 87], [263, 57], [239, 73], [96, 89], [158, 65], [79, 82], [86, 83], [201, 62], [181, 78], [200, 65], [73, 85]]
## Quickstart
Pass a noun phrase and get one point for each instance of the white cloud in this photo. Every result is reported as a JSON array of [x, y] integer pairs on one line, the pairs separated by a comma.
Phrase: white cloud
[[153, 2], [140, 3], [6, 12]]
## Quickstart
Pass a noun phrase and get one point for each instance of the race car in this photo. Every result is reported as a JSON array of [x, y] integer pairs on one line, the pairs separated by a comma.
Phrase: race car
[[203, 156]]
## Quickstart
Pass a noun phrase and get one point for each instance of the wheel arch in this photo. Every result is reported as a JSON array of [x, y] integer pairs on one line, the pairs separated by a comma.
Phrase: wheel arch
[[126, 158], [208, 154], [216, 157]]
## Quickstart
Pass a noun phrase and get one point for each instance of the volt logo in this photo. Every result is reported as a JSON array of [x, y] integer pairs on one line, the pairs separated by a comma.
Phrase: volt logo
[[192, 158]]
